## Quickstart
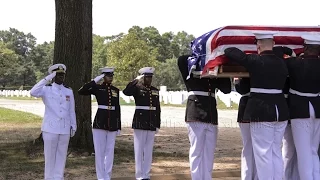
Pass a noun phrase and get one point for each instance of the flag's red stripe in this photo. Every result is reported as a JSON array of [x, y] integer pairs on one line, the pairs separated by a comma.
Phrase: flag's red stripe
[[267, 28], [229, 40], [213, 63], [226, 40], [223, 60]]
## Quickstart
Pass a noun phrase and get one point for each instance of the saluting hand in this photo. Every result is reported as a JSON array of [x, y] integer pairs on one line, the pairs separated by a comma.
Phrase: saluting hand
[[139, 77], [51, 76], [98, 78]]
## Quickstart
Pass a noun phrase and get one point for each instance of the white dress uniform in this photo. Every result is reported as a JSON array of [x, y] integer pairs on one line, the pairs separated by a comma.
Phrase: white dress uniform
[[289, 154], [58, 122], [248, 166], [304, 104]]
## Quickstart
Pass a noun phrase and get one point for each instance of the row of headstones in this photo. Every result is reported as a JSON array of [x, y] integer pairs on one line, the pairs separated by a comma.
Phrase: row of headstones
[[167, 97]]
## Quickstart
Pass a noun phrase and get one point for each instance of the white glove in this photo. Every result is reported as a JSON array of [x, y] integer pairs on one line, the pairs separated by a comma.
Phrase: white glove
[[72, 132], [157, 130], [98, 78], [51, 76], [139, 77], [118, 132]]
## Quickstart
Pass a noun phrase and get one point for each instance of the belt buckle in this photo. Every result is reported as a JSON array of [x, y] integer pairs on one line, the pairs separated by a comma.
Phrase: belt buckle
[[209, 93], [109, 107], [150, 107]]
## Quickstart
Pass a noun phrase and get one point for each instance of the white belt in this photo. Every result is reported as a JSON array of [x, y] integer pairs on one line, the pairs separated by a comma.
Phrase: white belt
[[146, 108], [304, 94], [265, 91], [201, 93], [243, 95], [106, 107]]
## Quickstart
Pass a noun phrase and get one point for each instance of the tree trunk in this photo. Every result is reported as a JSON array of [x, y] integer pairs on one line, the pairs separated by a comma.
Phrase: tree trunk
[[73, 47]]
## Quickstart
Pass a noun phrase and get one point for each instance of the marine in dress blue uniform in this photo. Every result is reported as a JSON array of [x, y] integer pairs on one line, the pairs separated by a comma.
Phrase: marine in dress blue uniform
[[146, 121], [107, 122], [202, 119], [304, 105], [266, 108], [248, 166]]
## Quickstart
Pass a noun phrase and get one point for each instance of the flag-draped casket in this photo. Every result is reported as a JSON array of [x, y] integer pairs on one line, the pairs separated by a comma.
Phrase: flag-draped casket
[[208, 58]]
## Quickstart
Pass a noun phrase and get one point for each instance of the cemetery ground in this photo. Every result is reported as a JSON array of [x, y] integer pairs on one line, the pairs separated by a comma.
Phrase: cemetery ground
[[20, 159]]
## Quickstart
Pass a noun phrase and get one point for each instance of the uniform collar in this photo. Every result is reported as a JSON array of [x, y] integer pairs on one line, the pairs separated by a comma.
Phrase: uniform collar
[[267, 52], [57, 85], [104, 83]]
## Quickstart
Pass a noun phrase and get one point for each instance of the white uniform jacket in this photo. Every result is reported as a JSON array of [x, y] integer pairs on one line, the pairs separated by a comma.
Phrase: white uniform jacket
[[59, 115]]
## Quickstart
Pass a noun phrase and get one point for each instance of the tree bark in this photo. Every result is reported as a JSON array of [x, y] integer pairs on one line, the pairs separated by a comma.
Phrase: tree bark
[[73, 47]]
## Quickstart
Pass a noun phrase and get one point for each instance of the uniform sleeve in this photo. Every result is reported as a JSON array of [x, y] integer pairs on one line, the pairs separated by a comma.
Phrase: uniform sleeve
[[224, 85], [131, 88], [183, 66], [235, 54], [279, 51], [88, 89], [38, 89], [290, 62], [159, 113], [286, 86], [243, 86], [73, 112], [119, 111]]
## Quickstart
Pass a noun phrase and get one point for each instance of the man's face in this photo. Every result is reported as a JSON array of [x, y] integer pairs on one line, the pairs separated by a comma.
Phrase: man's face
[[59, 79], [147, 80], [108, 78]]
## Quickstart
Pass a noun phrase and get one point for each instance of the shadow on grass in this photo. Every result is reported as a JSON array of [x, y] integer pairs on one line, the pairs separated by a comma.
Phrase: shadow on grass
[[22, 159]]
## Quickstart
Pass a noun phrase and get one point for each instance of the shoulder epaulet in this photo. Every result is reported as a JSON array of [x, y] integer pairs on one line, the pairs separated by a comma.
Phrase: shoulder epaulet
[[154, 88], [115, 88], [67, 86], [49, 84]]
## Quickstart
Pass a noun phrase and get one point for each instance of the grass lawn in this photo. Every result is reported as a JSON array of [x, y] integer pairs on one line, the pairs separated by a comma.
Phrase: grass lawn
[[21, 159], [17, 130]]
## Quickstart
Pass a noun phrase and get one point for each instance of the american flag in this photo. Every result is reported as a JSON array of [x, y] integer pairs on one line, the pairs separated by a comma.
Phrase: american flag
[[208, 49]]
